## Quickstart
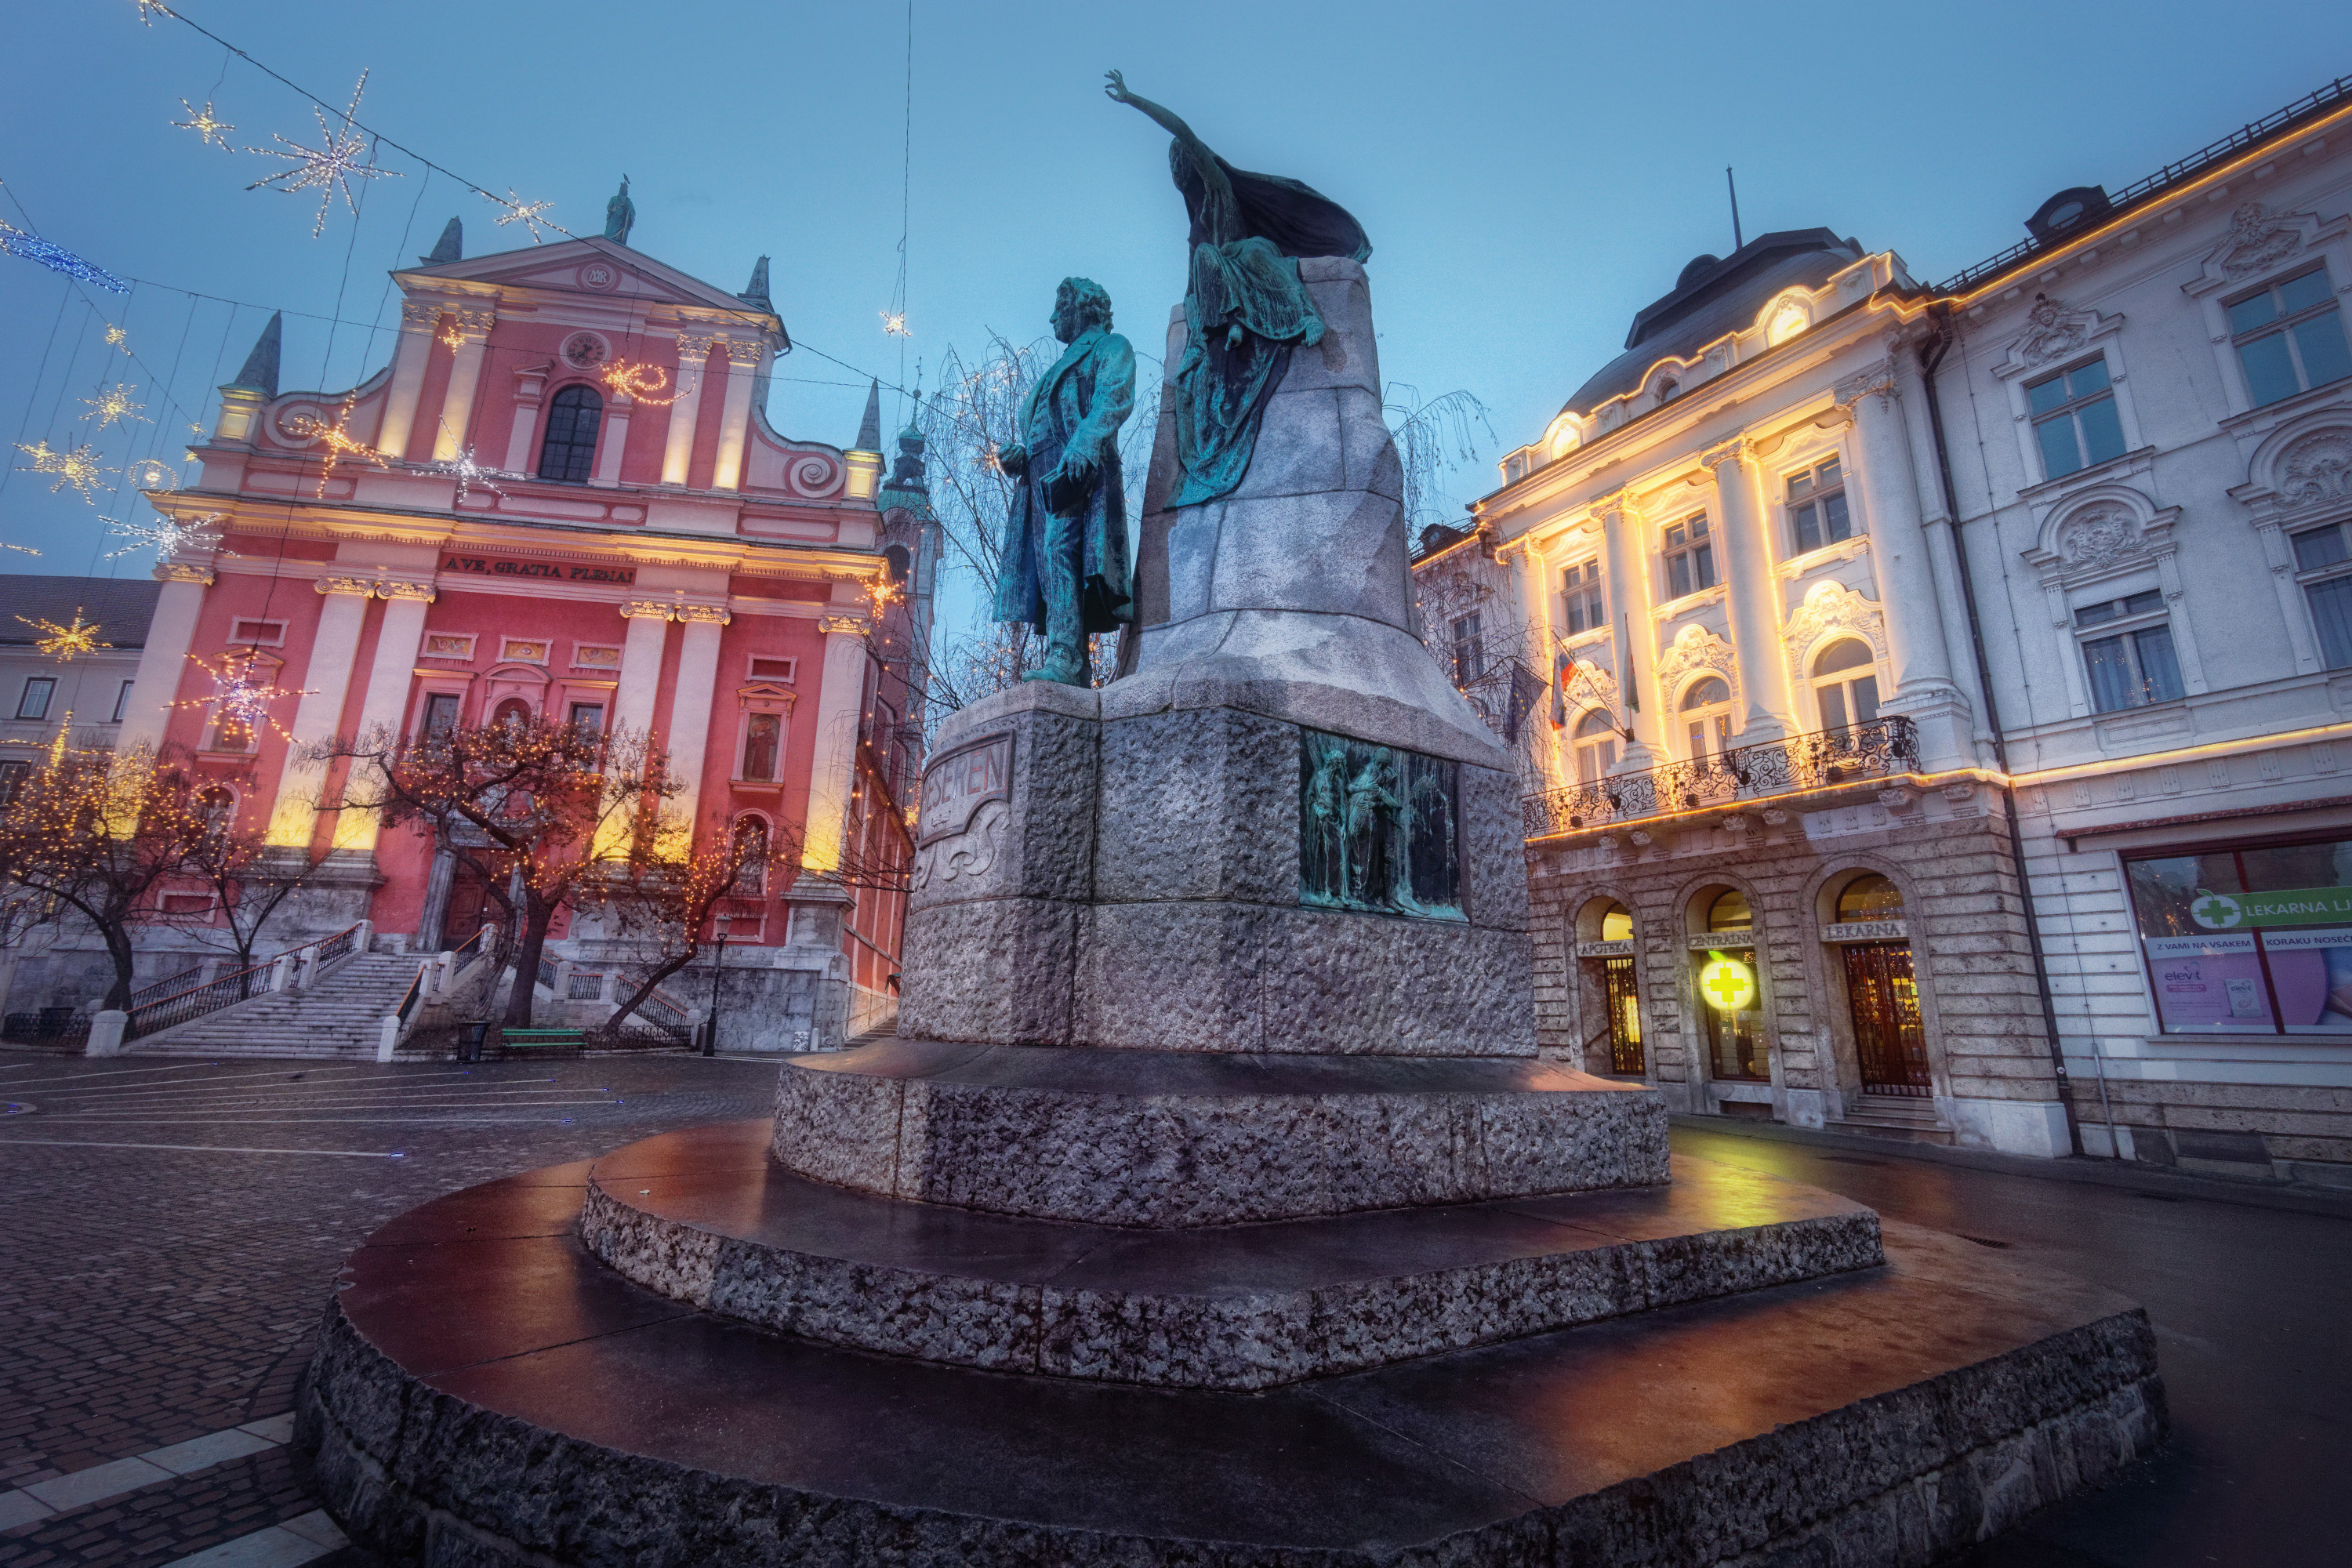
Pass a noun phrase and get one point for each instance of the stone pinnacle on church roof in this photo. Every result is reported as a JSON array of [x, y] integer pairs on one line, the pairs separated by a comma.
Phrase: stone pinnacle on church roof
[[260, 370], [450, 247], [869, 429], [755, 294]]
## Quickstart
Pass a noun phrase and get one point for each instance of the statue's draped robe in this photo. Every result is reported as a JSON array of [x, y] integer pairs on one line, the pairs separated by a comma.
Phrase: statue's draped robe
[[1248, 231], [1080, 403]]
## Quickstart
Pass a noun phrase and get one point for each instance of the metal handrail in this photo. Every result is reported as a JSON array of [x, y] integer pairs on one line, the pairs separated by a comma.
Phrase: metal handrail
[[163, 988], [415, 994], [185, 1007], [471, 945], [1823, 757]]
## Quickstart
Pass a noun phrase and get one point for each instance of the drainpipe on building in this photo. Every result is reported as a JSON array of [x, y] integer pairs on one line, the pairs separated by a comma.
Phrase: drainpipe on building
[[1931, 355]]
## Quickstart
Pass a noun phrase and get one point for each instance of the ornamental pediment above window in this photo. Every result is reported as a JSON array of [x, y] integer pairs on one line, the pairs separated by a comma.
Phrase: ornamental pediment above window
[[2261, 241], [2110, 531], [2054, 334], [2304, 466], [1831, 610]]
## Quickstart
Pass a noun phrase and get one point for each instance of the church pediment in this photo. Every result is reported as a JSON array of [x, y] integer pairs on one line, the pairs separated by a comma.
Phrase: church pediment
[[587, 267]]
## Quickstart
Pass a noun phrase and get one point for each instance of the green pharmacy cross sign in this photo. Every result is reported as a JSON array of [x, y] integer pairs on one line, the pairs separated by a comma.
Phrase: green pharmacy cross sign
[[2288, 907], [1728, 984]]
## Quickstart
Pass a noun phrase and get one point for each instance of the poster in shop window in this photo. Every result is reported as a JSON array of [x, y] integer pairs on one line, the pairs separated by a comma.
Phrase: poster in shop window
[[2210, 985], [2312, 972]]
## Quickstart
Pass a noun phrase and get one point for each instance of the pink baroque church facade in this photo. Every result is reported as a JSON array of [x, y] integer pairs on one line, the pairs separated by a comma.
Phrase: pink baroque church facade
[[564, 496]]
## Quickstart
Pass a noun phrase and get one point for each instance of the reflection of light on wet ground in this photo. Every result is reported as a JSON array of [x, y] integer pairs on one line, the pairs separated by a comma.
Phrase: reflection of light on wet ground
[[248, 1093]]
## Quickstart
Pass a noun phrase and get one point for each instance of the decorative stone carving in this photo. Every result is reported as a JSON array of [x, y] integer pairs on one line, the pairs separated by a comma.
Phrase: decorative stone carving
[[745, 351], [390, 590], [1831, 607], [360, 585], [970, 853], [2055, 332], [1732, 451], [376, 587], [694, 347], [2317, 467], [2258, 240], [1878, 378], [476, 323], [1694, 648], [175, 572], [420, 315], [2099, 536], [717, 614], [853, 625], [645, 610]]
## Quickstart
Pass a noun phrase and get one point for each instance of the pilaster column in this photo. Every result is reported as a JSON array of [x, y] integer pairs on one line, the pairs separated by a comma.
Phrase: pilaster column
[[324, 683], [1632, 637], [678, 450], [832, 759], [522, 441], [641, 662], [165, 659], [691, 713], [1767, 712], [1908, 601], [418, 319], [1943, 547], [398, 637], [465, 381], [615, 439], [734, 427]]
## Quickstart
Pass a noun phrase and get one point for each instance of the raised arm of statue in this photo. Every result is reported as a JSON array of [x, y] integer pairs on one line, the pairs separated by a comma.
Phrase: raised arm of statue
[[1205, 162]]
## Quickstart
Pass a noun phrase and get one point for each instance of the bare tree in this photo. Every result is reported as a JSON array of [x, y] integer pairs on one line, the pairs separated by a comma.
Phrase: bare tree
[[1432, 436], [537, 809], [249, 880], [660, 899]]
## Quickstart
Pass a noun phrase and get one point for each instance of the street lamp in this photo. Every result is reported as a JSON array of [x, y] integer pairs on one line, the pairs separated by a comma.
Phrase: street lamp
[[717, 967]]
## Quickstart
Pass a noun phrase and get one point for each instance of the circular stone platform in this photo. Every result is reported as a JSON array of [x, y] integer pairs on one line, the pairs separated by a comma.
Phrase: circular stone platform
[[487, 1393]]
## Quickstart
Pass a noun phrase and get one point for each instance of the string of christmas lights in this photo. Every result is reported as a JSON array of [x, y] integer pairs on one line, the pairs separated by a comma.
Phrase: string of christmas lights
[[627, 378], [15, 241], [166, 536], [66, 643]]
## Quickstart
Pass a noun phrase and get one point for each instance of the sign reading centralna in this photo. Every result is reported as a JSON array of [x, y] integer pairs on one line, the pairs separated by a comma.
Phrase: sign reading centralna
[[553, 570], [959, 783]]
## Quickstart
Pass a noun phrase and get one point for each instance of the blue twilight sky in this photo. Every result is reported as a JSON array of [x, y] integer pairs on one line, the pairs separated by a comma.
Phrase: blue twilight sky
[[1530, 174]]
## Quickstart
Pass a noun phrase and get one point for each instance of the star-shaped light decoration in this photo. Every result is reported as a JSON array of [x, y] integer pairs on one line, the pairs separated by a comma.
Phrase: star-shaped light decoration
[[338, 442], [893, 324], [206, 124], [76, 466], [150, 9], [113, 405], [65, 643], [118, 338], [344, 153], [242, 702], [638, 382], [518, 211], [166, 536], [469, 473], [452, 338]]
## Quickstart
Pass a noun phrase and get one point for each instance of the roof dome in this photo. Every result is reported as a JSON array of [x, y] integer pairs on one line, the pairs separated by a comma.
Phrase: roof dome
[[1700, 266]]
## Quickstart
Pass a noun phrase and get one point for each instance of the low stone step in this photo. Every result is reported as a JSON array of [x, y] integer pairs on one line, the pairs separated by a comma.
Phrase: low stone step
[[705, 1218]]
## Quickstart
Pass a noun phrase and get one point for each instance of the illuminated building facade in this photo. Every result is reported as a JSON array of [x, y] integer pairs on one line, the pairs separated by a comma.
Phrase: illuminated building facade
[[562, 496], [1841, 616]]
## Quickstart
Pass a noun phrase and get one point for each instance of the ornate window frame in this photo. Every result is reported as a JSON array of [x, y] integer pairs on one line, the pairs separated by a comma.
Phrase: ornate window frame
[[2057, 339], [761, 696], [2262, 244], [1831, 611], [2106, 537], [2299, 477]]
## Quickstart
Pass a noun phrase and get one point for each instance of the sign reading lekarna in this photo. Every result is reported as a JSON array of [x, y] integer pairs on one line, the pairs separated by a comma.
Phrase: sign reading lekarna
[[2286, 907]]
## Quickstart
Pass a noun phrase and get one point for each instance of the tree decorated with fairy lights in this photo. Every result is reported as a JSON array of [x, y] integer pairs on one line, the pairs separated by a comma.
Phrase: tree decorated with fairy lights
[[101, 838], [540, 811], [658, 902]]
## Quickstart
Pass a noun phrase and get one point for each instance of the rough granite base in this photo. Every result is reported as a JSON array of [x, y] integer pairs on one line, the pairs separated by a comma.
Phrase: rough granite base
[[486, 1396], [1242, 1306], [1170, 1138]]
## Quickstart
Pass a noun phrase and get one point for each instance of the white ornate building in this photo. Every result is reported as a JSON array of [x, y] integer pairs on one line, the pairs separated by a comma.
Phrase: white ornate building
[[1866, 609]]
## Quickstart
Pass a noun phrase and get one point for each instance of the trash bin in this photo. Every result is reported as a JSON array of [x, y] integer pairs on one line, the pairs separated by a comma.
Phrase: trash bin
[[474, 1033]]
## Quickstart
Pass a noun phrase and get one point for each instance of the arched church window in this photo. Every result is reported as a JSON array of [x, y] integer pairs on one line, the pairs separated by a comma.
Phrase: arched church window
[[514, 711], [218, 806], [1845, 684], [899, 560], [569, 451], [1730, 912], [750, 855], [1869, 897]]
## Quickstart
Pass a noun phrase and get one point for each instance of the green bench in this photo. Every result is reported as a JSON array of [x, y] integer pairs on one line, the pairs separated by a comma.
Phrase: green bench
[[541, 1039]]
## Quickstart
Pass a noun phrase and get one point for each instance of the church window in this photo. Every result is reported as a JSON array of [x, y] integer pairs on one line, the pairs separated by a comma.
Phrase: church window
[[2323, 563], [1845, 684], [588, 719], [440, 714], [2132, 665], [899, 560], [750, 852], [2290, 336], [1690, 557], [257, 632], [2074, 418], [568, 452], [217, 808], [764, 668], [1817, 509], [514, 711], [1581, 587]]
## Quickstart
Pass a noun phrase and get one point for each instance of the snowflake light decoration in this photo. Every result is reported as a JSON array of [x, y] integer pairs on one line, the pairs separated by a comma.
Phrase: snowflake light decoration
[[113, 405], [66, 643], [150, 9], [519, 211], [638, 382], [452, 338], [166, 536], [344, 153], [76, 466], [469, 473], [241, 703], [893, 324], [116, 337], [205, 125]]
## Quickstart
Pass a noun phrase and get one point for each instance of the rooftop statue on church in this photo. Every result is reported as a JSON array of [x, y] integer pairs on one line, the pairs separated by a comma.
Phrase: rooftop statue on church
[[1246, 307], [620, 214]]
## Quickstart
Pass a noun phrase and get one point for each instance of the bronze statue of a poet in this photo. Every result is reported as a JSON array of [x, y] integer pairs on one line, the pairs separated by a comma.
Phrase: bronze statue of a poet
[[1064, 566], [1246, 306]]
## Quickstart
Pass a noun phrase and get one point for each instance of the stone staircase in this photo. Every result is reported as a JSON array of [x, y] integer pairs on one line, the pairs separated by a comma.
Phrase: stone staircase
[[1908, 1120], [341, 1015]]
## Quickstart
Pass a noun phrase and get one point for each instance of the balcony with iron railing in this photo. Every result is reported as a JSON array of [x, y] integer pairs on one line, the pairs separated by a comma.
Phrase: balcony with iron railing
[[1824, 759]]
